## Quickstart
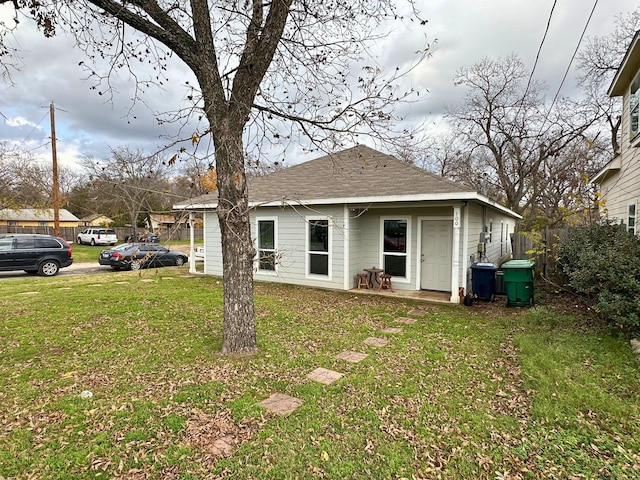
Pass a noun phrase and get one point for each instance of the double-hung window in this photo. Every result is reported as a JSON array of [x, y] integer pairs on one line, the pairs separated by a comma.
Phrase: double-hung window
[[634, 101], [394, 250], [631, 218], [318, 247], [267, 245]]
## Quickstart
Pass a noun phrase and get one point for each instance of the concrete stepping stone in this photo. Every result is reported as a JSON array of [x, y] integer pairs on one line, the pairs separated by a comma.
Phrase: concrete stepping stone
[[421, 311], [281, 403], [325, 376], [391, 330], [406, 320], [376, 342], [353, 357]]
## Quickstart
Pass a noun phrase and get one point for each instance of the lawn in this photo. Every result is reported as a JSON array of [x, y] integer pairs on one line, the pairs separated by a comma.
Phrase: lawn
[[480, 392]]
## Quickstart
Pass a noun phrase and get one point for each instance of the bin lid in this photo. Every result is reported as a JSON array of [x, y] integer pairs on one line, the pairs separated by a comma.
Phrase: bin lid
[[518, 264], [484, 266]]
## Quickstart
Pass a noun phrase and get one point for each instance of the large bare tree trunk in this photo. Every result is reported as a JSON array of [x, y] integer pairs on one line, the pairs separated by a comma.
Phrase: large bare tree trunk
[[239, 332]]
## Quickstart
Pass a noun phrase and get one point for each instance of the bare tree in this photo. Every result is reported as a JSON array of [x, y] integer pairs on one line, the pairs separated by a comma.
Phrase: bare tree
[[254, 62], [128, 180], [506, 128], [26, 182]]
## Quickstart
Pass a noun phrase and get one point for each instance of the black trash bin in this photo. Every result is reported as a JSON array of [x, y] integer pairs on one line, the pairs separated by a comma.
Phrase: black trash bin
[[483, 280]]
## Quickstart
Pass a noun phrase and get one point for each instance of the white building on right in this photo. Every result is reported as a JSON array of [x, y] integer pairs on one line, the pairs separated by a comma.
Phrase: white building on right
[[619, 180]]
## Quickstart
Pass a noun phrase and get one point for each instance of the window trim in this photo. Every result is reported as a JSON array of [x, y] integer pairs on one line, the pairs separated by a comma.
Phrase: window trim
[[275, 245], [406, 254], [633, 229], [308, 252], [634, 137]]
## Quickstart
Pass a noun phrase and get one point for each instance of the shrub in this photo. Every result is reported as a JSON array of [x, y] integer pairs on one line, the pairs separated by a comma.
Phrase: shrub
[[603, 263]]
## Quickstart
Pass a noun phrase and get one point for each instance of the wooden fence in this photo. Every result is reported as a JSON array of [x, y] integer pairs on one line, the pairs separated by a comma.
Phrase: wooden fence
[[540, 247], [71, 233]]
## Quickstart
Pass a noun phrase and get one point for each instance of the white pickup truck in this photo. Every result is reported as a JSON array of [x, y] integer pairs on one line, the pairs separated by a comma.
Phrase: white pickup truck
[[98, 236]]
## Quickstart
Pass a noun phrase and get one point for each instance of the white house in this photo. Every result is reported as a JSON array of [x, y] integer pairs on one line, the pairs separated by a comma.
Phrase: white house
[[619, 180], [322, 222]]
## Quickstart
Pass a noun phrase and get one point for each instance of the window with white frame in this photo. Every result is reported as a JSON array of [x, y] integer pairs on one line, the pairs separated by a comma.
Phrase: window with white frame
[[490, 232], [318, 247], [631, 218], [634, 101], [394, 249], [267, 245]]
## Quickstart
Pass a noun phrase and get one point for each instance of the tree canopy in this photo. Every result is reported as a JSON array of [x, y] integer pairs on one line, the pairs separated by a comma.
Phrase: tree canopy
[[300, 62]]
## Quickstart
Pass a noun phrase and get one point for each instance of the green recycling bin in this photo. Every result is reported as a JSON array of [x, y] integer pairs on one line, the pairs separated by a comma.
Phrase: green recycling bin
[[518, 282]]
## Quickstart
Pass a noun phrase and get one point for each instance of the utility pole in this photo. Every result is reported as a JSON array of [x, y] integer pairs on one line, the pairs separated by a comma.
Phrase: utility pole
[[56, 187]]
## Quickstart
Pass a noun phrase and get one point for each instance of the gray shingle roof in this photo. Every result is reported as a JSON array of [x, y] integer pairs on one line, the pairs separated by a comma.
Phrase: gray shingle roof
[[353, 173], [37, 215], [358, 174]]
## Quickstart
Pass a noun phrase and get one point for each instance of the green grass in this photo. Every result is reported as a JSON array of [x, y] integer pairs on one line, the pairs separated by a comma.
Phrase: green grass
[[477, 392]]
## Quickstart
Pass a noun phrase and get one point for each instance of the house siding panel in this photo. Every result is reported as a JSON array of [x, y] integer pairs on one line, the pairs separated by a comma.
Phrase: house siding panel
[[621, 189], [292, 228]]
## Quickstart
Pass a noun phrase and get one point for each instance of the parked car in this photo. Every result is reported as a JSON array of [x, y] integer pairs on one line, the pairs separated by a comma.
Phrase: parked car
[[98, 236], [105, 255], [134, 256], [42, 254], [143, 238], [199, 253]]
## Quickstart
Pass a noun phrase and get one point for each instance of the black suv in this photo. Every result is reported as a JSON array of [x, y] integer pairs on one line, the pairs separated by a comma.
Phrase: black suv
[[42, 254]]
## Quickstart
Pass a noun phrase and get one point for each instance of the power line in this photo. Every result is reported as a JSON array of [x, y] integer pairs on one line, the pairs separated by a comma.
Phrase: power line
[[566, 73], [535, 64], [575, 52]]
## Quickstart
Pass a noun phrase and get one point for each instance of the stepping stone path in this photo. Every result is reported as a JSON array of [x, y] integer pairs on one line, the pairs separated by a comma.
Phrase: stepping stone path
[[325, 376], [376, 341], [281, 403], [284, 404], [353, 357], [391, 330], [406, 320]]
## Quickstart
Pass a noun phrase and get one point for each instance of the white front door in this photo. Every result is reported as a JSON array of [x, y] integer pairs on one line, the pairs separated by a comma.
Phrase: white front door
[[437, 238]]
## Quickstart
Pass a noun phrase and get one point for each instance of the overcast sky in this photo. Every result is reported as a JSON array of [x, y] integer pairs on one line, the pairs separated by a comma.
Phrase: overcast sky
[[465, 30]]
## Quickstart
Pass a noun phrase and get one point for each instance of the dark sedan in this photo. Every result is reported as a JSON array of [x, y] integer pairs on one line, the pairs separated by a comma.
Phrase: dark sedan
[[134, 256]]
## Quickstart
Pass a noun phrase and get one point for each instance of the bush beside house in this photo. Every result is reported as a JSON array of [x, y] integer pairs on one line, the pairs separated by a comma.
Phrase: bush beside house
[[601, 262]]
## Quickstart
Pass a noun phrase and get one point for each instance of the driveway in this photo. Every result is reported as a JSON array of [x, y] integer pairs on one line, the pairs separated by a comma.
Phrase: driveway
[[74, 269]]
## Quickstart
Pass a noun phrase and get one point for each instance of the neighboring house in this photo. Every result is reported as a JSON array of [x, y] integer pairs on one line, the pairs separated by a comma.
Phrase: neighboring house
[[95, 220], [35, 217], [619, 180], [156, 222], [322, 222]]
